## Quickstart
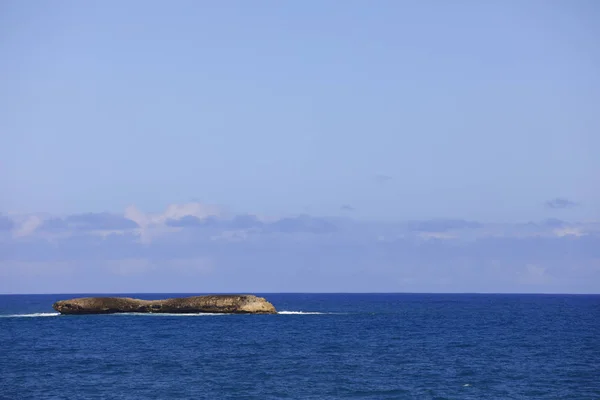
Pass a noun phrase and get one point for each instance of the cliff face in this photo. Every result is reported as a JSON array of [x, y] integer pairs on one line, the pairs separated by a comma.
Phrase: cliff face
[[231, 304]]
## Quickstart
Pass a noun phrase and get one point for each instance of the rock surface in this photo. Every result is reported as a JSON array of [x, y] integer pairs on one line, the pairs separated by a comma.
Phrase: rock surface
[[230, 304]]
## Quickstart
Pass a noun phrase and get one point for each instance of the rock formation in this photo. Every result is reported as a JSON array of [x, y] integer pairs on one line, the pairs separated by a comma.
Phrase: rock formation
[[229, 304]]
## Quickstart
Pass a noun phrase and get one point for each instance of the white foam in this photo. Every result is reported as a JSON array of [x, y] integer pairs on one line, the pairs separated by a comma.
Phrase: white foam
[[300, 313], [171, 314], [33, 315]]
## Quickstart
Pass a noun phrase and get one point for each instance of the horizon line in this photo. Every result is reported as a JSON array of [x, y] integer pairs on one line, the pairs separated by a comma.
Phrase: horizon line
[[309, 292]]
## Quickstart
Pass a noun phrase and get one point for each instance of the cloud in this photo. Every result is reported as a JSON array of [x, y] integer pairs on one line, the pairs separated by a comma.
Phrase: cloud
[[382, 178], [28, 226], [279, 262], [569, 231], [553, 223], [174, 212], [6, 224], [176, 216], [560, 203], [242, 221], [245, 221], [442, 225], [199, 210], [302, 223], [347, 208], [89, 222], [437, 235], [136, 216], [172, 251], [100, 221], [190, 221]]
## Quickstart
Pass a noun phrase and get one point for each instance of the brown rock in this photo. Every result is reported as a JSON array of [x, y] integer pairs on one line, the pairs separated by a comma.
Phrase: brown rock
[[229, 304]]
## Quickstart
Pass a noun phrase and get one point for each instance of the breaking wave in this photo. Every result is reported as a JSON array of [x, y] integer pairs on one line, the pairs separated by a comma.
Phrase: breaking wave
[[171, 314], [35, 315], [300, 313], [32, 315]]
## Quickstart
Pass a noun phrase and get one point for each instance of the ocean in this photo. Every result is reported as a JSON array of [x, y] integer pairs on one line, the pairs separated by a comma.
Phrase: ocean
[[320, 346]]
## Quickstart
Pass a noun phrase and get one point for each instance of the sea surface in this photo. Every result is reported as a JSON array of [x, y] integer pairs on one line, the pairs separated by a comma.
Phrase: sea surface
[[320, 346]]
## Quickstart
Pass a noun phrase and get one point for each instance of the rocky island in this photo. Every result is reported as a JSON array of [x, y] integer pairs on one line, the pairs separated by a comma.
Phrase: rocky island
[[226, 304]]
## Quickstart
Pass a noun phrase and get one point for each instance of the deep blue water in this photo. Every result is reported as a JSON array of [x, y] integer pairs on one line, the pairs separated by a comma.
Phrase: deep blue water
[[361, 346]]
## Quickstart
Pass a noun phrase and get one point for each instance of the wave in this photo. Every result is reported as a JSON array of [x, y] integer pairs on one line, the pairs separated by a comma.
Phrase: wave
[[301, 313], [35, 315], [32, 315], [171, 314]]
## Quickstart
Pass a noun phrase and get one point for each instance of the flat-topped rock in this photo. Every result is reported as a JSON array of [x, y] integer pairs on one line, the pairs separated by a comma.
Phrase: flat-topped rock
[[225, 303]]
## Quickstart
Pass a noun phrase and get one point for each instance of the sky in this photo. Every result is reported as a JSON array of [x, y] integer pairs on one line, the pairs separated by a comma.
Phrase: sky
[[300, 146]]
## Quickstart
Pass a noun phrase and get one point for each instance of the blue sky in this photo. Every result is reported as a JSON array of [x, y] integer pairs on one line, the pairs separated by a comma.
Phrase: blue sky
[[374, 115]]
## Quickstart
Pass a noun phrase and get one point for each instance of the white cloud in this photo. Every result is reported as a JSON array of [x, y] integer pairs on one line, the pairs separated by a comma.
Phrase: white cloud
[[28, 226], [136, 216], [198, 210], [569, 231], [437, 235], [153, 225], [173, 211], [230, 236]]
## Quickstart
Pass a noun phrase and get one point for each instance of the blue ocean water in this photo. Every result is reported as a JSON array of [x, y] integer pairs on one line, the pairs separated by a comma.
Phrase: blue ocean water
[[321, 346]]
